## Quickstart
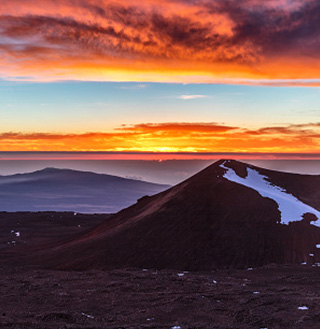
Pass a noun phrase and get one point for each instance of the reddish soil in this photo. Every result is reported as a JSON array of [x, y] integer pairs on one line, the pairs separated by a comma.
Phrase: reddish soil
[[32, 298], [267, 297], [38, 228]]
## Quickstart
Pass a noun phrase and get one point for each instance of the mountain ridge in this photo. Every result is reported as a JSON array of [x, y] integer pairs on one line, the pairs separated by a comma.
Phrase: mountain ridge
[[71, 190], [203, 223], [67, 170]]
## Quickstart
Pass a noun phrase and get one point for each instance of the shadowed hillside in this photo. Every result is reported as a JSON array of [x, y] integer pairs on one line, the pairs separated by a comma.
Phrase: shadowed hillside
[[208, 221]]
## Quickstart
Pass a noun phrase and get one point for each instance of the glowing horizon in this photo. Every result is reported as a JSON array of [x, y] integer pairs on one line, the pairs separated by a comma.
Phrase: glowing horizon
[[9, 156], [173, 138]]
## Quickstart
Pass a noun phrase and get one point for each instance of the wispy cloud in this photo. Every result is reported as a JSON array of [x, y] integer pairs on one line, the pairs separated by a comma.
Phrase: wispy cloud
[[134, 87], [188, 97]]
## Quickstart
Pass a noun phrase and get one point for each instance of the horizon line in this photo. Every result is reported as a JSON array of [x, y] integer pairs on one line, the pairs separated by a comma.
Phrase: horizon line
[[157, 156]]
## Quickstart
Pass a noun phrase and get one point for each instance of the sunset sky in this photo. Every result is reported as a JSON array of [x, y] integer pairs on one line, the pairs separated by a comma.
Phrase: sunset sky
[[160, 76]]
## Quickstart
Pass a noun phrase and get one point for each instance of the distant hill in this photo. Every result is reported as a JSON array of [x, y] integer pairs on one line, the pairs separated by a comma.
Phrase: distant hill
[[53, 189], [229, 215]]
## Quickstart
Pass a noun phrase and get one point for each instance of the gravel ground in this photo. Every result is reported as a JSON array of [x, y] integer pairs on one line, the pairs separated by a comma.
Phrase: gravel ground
[[268, 297]]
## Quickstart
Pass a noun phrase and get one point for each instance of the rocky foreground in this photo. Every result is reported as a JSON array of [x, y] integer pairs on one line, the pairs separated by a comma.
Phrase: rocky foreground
[[269, 297], [272, 296]]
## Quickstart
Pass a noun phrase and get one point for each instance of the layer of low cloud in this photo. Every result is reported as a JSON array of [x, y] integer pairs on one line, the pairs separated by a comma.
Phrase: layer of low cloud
[[249, 41], [174, 137]]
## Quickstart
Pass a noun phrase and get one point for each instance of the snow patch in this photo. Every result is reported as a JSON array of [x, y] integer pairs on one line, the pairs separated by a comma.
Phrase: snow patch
[[88, 315], [318, 246], [17, 234], [303, 308], [290, 207], [180, 274]]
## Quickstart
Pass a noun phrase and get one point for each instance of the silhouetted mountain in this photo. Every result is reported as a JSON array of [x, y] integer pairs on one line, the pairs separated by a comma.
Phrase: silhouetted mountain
[[71, 190], [229, 215]]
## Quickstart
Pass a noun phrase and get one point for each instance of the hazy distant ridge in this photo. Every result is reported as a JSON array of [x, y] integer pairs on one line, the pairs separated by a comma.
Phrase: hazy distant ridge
[[71, 190]]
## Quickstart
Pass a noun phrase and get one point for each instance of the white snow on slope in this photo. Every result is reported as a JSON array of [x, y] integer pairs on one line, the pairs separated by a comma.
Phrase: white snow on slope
[[303, 308], [290, 207]]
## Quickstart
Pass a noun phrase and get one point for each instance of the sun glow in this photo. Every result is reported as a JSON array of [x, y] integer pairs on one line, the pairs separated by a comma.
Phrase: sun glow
[[173, 137]]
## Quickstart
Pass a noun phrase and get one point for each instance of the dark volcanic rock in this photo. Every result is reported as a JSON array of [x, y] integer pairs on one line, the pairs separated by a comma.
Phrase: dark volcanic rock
[[266, 297], [206, 222]]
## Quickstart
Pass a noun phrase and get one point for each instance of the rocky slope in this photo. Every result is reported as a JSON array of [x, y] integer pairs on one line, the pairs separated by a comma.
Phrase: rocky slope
[[230, 215]]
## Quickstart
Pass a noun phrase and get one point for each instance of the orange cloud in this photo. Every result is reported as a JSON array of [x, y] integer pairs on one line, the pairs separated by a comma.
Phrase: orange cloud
[[173, 137], [249, 41]]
